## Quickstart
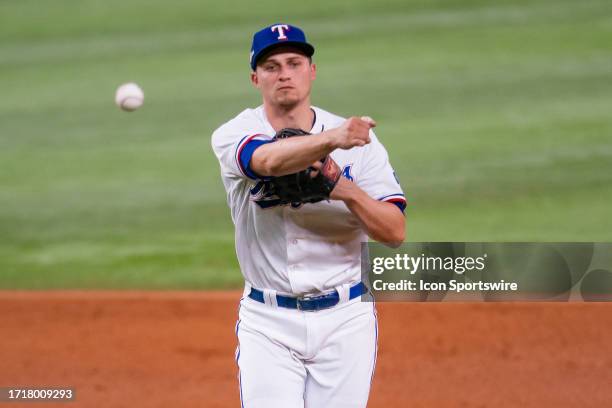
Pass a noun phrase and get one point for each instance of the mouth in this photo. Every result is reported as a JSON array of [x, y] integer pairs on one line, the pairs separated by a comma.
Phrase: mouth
[[285, 88]]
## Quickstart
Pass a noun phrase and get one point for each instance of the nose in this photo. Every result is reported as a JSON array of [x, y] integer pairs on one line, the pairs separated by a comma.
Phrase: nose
[[284, 73]]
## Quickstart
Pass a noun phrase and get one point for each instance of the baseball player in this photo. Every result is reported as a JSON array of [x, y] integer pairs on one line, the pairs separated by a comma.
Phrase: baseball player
[[305, 337]]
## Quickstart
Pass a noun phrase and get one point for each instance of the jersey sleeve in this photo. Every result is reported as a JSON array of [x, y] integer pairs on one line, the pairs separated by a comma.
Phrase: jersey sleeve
[[377, 177], [234, 150]]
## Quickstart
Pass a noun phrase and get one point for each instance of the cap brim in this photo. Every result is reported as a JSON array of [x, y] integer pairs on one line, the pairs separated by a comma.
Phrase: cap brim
[[305, 47]]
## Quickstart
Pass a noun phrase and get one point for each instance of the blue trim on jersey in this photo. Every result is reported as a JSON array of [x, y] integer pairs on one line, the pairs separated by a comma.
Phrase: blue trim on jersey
[[246, 154], [237, 152], [401, 205], [238, 353], [398, 199], [391, 195]]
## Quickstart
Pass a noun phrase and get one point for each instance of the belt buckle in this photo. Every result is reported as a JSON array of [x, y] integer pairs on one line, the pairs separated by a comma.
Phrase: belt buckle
[[306, 298], [300, 299], [313, 297]]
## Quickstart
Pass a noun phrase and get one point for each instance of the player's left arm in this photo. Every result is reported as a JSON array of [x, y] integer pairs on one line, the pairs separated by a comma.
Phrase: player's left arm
[[374, 195], [382, 220]]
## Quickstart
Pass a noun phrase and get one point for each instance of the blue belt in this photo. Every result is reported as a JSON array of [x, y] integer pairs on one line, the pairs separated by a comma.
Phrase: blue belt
[[313, 303]]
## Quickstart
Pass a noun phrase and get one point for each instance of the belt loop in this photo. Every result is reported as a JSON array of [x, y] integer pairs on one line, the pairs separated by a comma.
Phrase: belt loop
[[247, 289], [343, 293], [270, 297]]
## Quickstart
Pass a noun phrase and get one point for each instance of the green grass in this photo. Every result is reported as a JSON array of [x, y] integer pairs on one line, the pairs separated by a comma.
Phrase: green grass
[[497, 117]]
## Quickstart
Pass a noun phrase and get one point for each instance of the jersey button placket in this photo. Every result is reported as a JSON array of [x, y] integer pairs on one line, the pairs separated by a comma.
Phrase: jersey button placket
[[291, 246]]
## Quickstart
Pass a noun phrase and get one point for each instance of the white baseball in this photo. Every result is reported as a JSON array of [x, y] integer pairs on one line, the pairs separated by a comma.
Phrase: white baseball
[[129, 97]]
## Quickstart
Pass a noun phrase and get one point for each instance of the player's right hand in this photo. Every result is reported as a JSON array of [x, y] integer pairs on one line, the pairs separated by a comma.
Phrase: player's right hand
[[354, 132]]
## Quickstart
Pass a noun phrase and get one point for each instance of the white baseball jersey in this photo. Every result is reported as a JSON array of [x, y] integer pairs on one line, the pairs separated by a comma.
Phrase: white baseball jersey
[[297, 249]]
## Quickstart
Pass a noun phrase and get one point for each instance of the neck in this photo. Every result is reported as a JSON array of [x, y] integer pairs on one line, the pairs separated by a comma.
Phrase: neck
[[299, 116]]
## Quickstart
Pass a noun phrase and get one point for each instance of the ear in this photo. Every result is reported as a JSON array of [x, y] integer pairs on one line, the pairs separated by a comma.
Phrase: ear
[[254, 79], [313, 71]]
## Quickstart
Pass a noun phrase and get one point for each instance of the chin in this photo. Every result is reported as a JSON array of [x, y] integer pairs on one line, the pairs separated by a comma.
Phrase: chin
[[287, 101]]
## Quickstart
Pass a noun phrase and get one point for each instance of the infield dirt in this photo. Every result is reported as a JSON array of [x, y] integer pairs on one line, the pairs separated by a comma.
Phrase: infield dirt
[[176, 349]]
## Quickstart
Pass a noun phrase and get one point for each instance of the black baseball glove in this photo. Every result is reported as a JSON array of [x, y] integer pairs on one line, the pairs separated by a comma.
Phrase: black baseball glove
[[308, 185]]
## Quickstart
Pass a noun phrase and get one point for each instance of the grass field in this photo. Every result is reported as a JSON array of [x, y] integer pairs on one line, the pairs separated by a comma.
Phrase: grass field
[[497, 116]]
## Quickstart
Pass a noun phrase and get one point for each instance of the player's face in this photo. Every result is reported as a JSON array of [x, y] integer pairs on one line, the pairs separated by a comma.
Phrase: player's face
[[284, 77]]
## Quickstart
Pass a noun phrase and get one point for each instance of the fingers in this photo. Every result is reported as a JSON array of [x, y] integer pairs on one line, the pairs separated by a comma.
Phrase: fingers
[[316, 166], [371, 122], [355, 132]]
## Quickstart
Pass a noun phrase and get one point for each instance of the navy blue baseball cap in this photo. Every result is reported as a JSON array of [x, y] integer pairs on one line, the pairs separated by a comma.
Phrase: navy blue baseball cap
[[276, 35]]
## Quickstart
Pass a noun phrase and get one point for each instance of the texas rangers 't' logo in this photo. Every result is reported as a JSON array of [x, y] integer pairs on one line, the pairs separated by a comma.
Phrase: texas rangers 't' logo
[[281, 30]]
